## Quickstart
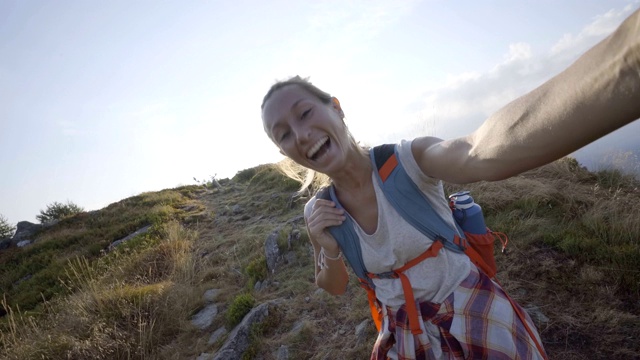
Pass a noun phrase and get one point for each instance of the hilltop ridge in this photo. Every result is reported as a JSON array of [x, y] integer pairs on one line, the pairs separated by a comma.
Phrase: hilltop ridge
[[573, 264]]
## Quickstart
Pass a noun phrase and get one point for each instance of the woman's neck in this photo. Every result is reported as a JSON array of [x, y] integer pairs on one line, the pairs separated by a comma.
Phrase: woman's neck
[[355, 175]]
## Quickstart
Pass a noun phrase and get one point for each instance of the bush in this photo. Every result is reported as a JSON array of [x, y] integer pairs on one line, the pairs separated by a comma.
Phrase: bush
[[58, 211], [6, 229], [257, 269], [240, 307]]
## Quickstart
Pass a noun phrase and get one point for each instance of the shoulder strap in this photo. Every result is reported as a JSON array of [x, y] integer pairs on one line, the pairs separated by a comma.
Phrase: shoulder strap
[[404, 195], [407, 198], [346, 236]]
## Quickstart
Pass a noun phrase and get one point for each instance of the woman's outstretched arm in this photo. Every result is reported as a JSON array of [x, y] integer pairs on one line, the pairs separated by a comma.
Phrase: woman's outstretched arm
[[597, 94]]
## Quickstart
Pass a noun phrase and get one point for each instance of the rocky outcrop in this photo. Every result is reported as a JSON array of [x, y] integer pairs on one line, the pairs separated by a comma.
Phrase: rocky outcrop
[[25, 230], [140, 231], [271, 250], [239, 339]]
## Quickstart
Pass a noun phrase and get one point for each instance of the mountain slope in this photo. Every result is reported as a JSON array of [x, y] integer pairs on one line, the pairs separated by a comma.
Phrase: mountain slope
[[573, 262]]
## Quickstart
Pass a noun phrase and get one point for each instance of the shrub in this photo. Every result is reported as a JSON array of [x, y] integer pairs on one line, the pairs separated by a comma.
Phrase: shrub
[[6, 229], [257, 269], [240, 307], [245, 175], [58, 211]]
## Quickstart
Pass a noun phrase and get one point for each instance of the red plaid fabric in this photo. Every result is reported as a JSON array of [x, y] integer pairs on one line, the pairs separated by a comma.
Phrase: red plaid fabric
[[476, 321]]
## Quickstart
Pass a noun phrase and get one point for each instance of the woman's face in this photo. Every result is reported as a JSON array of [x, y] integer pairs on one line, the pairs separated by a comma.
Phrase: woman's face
[[305, 129]]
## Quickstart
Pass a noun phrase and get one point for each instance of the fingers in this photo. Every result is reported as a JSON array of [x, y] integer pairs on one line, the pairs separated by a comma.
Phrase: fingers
[[324, 214]]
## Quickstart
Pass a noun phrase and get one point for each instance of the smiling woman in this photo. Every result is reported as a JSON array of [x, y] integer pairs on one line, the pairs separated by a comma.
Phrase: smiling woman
[[439, 304]]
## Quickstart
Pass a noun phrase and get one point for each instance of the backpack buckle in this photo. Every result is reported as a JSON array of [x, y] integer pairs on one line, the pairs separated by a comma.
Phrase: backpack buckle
[[384, 275]]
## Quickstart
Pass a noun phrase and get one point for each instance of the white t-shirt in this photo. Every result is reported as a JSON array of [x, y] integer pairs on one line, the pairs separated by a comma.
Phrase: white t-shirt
[[395, 242]]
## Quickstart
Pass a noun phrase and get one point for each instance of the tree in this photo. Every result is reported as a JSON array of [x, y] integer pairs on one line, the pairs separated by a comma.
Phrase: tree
[[6, 229], [58, 211]]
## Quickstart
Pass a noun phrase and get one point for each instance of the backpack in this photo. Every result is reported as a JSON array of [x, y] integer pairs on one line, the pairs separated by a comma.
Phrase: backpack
[[409, 201]]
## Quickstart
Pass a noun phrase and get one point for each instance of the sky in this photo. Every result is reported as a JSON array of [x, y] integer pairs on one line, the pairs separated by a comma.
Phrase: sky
[[103, 100]]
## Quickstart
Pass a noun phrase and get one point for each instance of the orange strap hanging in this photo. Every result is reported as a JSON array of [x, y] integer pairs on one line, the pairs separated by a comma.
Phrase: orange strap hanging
[[376, 311], [410, 301]]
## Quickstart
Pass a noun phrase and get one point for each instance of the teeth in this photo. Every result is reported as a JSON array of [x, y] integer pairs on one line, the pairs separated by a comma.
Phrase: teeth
[[317, 147]]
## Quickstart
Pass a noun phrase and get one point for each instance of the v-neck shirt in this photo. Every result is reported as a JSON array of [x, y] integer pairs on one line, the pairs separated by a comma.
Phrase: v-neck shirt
[[395, 242]]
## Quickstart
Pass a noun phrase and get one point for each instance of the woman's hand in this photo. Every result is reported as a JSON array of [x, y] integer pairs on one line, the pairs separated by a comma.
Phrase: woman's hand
[[319, 215], [323, 215]]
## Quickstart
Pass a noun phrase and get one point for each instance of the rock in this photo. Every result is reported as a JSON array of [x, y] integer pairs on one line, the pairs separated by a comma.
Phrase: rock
[[211, 294], [217, 335], [189, 208], [25, 230], [204, 318], [129, 237], [293, 237], [297, 327], [290, 257], [239, 339], [24, 278], [260, 285], [271, 250], [361, 331], [283, 352], [236, 209], [257, 286], [536, 314], [23, 243]]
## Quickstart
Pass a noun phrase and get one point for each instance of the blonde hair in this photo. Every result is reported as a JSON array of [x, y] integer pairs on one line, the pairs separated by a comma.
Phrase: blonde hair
[[310, 180], [324, 96]]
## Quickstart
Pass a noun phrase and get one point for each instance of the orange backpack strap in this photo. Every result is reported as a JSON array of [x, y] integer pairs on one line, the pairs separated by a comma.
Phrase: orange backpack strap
[[409, 298], [374, 305]]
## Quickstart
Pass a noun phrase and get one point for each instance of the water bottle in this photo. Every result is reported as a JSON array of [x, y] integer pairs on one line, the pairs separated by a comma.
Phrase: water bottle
[[467, 213]]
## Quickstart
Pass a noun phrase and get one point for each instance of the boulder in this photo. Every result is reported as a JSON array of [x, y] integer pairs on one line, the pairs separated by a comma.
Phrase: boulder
[[271, 250], [239, 339], [204, 318], [25, 230]]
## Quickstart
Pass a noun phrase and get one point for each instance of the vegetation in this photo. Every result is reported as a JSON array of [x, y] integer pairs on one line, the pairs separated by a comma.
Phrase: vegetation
[[573, 253], [6, 229], [58, 211], [240, 306]]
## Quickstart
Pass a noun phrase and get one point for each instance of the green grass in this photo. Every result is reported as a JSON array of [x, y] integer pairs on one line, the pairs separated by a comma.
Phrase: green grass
[[574, 251]]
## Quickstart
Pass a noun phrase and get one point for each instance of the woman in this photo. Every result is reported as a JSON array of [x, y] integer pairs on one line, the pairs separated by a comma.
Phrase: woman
[[464, 314]]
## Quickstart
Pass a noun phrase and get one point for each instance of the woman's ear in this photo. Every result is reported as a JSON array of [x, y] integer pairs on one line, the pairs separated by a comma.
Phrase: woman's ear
[[336, 105]]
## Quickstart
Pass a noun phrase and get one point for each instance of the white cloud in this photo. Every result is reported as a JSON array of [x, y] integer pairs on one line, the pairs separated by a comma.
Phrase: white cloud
[[467, 99], [601, 26]]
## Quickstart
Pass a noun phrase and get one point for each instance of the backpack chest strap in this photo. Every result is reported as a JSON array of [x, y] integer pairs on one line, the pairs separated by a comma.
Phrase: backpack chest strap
[[410, 301]]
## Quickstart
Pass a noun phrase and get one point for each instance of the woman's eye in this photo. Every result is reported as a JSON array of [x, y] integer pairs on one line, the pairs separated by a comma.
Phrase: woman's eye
[[305, 114], [285, 135]]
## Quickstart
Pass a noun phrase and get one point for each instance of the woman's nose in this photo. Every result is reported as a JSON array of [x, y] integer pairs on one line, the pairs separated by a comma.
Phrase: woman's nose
[[303, 134]]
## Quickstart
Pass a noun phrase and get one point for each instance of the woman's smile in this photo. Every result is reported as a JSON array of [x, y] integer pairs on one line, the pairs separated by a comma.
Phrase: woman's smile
[[319, 149]]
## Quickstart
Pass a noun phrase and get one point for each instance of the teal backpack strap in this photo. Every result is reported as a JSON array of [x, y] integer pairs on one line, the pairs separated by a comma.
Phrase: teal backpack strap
[[407, 198], [347, 238]]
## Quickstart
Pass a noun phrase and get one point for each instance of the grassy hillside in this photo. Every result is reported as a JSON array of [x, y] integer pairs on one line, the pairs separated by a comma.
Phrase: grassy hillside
[[574, 261]]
